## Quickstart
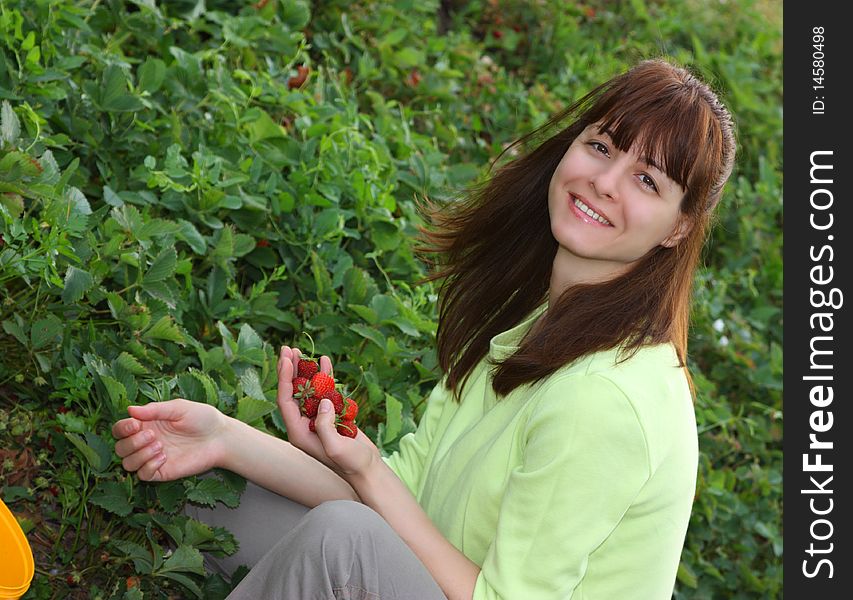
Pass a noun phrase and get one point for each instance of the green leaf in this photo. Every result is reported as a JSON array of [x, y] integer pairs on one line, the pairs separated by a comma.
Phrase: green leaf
[[191, 388], [248, 339], [371, 334], [151, 74], [251, 384], [96, 452], [243, 244], [114, 95], [14, 203], [408, 57], [192, 237], [185, 581], [162, 291], [16, 330], [77, 283], [687, 576], [140, 556], [164, 329], [184, 558], [162, 267], [393, 418], [365, 312], [211, 391], [384, 306], [71, 212], [112, 496], [296, 14], [117, 393], [393, 37], [111, 198], [156, 227], [130, 363], [10, 126], [250, 409], [46, 331], [260, 126], [210, 490], [170, 494], [355, 286]]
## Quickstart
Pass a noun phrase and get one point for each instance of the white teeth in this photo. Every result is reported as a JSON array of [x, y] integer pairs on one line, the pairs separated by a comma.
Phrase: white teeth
[[590, 212]]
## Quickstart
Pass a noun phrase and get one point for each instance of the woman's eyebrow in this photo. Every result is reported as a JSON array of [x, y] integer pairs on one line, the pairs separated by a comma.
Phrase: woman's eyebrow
[[648, 160]]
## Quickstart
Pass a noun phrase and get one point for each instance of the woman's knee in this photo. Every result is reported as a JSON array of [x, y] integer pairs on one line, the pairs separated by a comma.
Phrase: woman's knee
[[344, 518]]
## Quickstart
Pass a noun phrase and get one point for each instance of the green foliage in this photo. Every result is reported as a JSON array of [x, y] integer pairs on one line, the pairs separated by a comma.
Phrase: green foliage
[[177, 200]]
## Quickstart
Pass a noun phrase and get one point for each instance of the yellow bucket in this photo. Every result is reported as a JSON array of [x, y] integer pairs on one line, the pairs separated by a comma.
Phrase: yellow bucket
[[16, 558]]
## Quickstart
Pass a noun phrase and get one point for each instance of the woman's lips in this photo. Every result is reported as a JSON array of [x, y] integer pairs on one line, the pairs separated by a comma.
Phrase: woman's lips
[[582, 215]]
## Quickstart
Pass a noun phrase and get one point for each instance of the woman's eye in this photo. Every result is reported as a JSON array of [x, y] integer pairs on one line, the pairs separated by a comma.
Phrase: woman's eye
[[648, 182], [599, 147]]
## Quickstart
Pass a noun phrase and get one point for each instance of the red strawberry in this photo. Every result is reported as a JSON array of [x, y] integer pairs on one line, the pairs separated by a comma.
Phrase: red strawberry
[[301, 387], [347, 429], [310, 405], [311, 426], [322, 384], [337, 401], [301, 76], [307, 368], [350, 410]]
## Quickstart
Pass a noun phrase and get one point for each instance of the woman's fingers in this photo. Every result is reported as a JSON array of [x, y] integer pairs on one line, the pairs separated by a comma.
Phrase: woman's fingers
[[325, 426], [150, 470], [296, 355], [326, 365], [133, 443], [134, 461], [285, 376], [125, 427]]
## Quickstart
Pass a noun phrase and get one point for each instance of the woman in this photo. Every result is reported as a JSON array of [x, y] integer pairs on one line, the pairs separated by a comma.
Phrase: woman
[[557, 456]]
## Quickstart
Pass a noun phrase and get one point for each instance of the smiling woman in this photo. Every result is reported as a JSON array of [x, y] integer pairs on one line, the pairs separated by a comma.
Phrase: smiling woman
[[557, 457], [608, 208]]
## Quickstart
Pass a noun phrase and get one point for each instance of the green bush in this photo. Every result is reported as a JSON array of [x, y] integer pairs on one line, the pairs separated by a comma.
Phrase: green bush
[[186, 186]]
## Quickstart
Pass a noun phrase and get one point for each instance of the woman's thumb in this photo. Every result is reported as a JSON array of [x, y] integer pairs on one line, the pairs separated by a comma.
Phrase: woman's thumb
[[169, 410]]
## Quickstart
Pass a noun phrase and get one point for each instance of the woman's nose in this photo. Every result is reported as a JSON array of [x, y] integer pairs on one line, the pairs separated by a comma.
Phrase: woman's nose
[[605, 182]]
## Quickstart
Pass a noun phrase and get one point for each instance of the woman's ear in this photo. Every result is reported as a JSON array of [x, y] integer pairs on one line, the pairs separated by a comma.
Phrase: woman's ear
[[682, 228]]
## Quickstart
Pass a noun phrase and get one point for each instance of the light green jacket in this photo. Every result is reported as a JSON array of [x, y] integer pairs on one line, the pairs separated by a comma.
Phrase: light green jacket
[[578, 487]]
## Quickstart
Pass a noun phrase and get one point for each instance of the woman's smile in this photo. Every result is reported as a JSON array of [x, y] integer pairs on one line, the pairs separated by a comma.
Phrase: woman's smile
[[587, 212]]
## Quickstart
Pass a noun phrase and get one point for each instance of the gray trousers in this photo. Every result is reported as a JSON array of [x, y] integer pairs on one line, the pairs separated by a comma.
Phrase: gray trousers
[[340, 550]]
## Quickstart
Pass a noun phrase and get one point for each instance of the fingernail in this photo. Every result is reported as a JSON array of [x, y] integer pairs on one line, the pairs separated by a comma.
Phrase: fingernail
[[325, 405]]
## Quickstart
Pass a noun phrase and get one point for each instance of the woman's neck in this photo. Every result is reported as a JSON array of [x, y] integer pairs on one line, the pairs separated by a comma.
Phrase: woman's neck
[[569, 270]]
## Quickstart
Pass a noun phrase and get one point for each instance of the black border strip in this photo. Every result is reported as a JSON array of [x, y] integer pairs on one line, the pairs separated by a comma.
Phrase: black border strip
[[817, 260]]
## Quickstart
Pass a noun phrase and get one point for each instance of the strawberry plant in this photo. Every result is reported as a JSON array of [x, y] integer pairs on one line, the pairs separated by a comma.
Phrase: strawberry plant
[[186, 186]]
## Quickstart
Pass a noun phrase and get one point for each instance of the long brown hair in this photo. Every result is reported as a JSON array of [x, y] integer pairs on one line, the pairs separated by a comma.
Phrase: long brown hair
[[495, 247]]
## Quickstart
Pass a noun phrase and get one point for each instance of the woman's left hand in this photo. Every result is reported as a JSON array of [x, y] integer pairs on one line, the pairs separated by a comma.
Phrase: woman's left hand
[[347, 456]]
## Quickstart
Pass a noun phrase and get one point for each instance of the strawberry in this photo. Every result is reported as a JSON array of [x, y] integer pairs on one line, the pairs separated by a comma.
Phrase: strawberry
[[301, 387], [311, 426], [301, 76], [322, 384], [310, 405], [350, 410], [347, 429], [307, 368], [337, 400]]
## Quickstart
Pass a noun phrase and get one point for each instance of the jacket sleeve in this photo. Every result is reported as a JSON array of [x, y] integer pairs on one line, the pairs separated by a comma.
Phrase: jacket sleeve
[[584, 461], [408, 462]]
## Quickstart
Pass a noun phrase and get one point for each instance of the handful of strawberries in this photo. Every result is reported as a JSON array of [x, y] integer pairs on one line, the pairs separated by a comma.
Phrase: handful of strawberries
[[310, 386]]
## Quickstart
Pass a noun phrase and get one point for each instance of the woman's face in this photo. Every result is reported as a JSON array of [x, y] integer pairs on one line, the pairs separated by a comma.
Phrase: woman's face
[[608, 208]]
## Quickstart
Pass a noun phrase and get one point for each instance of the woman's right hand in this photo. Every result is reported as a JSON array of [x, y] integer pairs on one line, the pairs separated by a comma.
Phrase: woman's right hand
[[163, 441]]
